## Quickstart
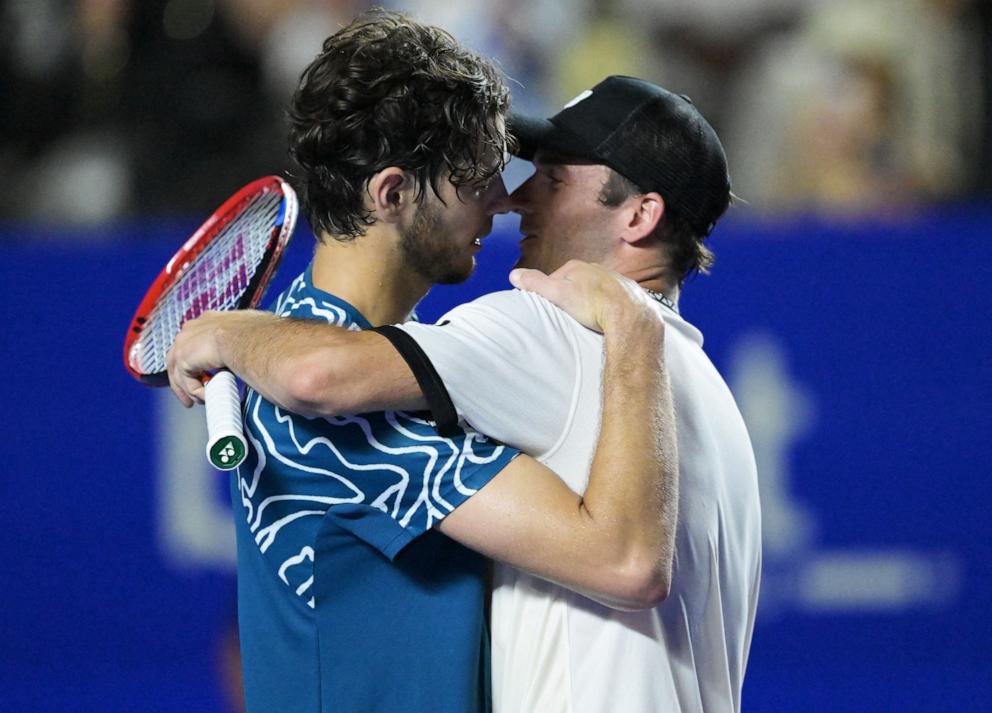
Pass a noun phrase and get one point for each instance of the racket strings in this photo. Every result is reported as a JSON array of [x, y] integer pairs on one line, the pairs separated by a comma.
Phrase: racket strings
[[216, 279]]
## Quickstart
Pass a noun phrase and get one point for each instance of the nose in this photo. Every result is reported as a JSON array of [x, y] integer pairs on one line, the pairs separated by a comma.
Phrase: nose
[[498, 197], [519, 201]]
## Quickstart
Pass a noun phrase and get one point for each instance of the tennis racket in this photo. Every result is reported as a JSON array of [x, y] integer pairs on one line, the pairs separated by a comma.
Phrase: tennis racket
[[226, 264]]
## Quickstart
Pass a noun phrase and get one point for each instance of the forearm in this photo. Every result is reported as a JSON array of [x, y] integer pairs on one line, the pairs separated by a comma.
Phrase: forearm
[[282, 359], [632, 495], [306, 366]]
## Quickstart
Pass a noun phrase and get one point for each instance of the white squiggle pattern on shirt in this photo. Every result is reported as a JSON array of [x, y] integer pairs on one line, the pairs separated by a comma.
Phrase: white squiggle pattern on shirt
[[304, 466]]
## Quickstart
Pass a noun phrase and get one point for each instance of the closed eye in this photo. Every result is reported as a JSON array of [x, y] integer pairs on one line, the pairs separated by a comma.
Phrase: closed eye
[[476, 190]]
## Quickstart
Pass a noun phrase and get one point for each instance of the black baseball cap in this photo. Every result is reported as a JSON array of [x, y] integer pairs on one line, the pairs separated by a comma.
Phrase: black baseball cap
[[647, 134]]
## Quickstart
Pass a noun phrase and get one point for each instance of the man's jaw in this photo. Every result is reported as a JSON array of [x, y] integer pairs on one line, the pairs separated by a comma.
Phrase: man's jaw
[[526, 253], [527, 231]]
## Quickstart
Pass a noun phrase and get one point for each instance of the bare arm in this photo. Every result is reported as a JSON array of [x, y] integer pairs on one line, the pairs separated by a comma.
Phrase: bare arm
[[615, 542], [304, 366]]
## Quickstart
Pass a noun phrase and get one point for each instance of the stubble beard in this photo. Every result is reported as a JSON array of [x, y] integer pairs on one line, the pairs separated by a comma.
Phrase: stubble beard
[[430, 253]]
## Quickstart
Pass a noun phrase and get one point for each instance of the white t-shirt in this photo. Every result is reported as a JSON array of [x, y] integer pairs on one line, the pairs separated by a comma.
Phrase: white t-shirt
[[522, 371]]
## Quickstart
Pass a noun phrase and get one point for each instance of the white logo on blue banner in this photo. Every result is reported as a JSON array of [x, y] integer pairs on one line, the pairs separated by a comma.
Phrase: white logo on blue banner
[[797, 573]]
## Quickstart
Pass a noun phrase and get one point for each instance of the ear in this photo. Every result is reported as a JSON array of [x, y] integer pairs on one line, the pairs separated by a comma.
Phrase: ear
[[643, 216], [391, 191]]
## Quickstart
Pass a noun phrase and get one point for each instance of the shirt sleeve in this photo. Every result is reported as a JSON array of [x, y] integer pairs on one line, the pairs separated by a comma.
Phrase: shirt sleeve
[[409, 475], [509, 361]]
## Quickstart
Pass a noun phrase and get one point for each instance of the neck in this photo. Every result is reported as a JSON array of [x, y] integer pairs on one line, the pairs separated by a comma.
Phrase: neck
[[658, 284], [648, 265], [369, 273], [654, 275]]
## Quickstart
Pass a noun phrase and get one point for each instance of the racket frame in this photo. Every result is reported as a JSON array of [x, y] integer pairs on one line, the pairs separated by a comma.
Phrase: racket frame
[[197, 243]]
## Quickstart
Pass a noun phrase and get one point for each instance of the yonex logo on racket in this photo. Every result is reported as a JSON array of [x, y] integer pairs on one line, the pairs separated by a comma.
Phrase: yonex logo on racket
[[227, 453]]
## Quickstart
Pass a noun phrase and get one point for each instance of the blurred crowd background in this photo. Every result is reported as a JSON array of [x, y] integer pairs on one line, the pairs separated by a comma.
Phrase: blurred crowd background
[[114, 109]]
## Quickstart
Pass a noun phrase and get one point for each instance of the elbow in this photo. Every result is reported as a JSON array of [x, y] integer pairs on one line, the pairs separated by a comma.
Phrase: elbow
[[309, 387], [655, 590], [645, 583], [651, 591]]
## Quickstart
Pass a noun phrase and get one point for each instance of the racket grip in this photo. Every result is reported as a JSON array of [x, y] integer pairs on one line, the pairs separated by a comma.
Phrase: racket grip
[[226, 445]]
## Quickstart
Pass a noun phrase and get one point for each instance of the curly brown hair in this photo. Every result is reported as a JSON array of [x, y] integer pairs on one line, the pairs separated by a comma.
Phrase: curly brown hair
[[389, 91]]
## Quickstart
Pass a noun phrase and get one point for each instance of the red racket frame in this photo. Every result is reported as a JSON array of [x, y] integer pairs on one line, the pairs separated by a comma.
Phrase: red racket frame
[[192, 248]]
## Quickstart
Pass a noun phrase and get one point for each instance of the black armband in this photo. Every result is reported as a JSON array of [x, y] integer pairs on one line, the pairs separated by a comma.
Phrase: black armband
[[438, 400]]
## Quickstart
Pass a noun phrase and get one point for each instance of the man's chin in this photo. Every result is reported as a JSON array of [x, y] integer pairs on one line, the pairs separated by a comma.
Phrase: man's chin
[[524, 261], [457, 274], [532, 263]]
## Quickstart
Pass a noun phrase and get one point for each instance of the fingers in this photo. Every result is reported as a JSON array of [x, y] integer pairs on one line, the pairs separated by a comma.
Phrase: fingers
[[184, 382], [526, 279], [562, 289], [183, 397], [189, 390], [170, 365], [189, 358], [576, 270], [198, 391], [548, 286], [593, 295], [555, 286]]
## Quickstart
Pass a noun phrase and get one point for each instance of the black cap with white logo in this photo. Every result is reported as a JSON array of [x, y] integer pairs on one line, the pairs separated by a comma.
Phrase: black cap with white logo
[[653, 137]]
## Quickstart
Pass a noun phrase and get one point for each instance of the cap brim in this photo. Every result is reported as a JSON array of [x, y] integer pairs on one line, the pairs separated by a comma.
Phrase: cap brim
[[535, 134], [530, 133]]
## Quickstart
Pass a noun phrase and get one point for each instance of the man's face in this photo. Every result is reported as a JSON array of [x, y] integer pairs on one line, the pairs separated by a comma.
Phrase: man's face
[[561, 217], [444, 237]]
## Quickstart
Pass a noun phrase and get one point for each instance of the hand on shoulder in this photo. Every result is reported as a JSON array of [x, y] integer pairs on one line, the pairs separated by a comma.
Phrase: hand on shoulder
[[596, 297]]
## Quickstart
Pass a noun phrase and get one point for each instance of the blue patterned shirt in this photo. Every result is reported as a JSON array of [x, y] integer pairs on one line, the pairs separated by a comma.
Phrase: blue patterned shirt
[[367, 486]]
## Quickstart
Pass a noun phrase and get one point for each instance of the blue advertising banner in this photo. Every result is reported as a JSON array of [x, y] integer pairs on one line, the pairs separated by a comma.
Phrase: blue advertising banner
[[860, 354]]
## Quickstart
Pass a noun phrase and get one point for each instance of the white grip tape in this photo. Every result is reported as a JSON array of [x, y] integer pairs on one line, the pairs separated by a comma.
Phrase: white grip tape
[[226, 446]]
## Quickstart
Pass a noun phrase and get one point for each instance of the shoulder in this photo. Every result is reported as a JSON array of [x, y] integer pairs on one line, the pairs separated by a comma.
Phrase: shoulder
[[514, 310], [510, 301]]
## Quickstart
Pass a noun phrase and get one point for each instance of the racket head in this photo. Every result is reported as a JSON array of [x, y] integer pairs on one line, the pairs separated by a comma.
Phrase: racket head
[[226, 264]]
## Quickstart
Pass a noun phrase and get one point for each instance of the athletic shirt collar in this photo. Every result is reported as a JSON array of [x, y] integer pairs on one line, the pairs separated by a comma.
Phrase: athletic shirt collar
[[318, 294]]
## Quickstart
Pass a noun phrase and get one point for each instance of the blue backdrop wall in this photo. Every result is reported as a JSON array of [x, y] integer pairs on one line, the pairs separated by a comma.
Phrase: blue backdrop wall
[[860, 353]]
